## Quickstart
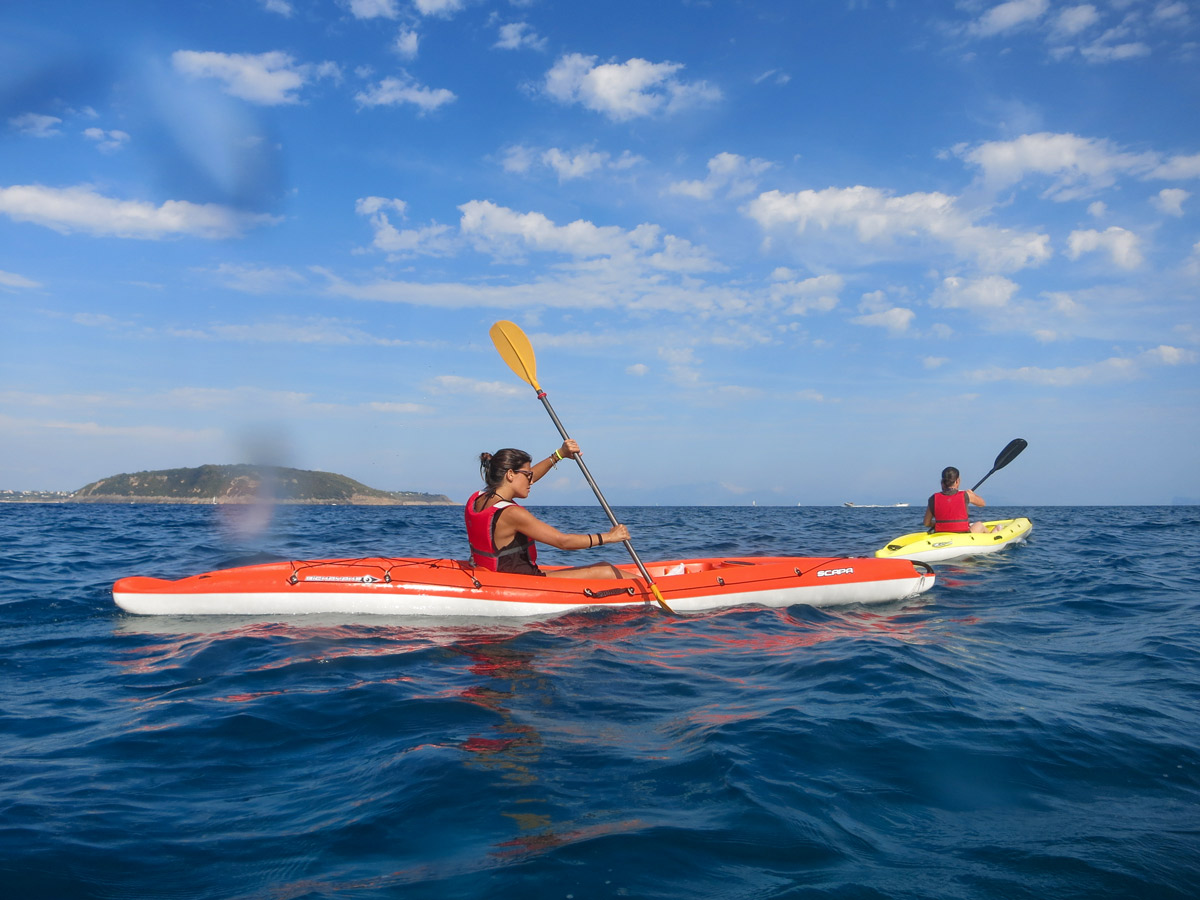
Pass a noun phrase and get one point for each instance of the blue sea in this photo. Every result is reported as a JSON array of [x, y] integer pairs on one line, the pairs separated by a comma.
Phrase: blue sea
[[1030, 728]]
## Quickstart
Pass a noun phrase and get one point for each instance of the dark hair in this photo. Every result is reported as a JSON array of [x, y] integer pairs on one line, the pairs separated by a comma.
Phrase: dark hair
[[949, 476], [492, 466]]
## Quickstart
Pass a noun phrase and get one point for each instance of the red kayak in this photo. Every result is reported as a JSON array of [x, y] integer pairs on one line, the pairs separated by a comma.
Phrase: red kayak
[[445, 587]]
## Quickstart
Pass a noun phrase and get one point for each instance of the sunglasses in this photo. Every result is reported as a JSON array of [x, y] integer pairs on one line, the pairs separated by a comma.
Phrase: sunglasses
[[528, 473]]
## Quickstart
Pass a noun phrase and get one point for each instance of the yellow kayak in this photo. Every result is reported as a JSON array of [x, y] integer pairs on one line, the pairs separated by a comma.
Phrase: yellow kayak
[[944, 546]]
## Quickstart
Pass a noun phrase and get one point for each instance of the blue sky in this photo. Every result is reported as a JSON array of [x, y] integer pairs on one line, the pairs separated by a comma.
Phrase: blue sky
[[766, 251]]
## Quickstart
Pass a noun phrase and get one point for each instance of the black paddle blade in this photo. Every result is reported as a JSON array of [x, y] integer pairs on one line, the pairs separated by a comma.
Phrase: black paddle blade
[[1009, 453]]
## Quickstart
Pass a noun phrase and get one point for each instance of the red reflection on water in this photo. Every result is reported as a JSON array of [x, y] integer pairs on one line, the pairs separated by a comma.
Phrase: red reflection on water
[[542, 841], [487, 745]]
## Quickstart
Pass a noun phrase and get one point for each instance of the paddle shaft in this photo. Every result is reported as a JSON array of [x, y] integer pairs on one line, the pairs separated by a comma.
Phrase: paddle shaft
[[595, 487], [517, 352], [982, 480]]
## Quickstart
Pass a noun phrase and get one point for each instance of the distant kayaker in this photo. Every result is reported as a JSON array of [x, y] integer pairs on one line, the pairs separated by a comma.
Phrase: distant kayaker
[[947, 509], [502, 533]]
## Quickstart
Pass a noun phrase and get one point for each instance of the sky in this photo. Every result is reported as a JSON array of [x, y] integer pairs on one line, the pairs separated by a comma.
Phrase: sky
[[769, 252]]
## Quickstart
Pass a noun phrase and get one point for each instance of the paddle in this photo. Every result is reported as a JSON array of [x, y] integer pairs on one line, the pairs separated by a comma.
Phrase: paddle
[[515, 349], [1007, 455]]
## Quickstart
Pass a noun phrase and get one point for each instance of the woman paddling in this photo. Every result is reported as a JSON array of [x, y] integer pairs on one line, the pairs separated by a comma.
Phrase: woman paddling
[[502, 533], [947, 510]]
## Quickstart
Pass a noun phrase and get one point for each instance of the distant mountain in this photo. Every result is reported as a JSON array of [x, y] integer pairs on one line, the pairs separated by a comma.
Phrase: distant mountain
[[246, 484]]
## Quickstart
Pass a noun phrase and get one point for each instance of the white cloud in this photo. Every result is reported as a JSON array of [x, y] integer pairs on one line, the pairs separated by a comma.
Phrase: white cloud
[[258, 279], [403, 409], [140, 433], [430, 240], [36, 125], [368, 206], [934, 362], [108, 141], [582, 163], [81, 208], [1104, 50], [311, 330], [1079, 166], [95, 320], [1113, 369], [407, 44], [628, 90], [268, 79], [1009, 16], [681, 365], [372, 9], [281, 7], [456, 384], [13, 280], [1062, 303], [518, 159], [519, 35], [638, 370], [398, 91], [566, 164], [987, 293], [775, 76], [801, 297], [502, 232], [442, 8], [1170, 201], [1123, 246], [1178, 167], [728, 172], [1075, 19], [878, 217], [1171, 13], [587, 285], [896, 320], [1169, 356]]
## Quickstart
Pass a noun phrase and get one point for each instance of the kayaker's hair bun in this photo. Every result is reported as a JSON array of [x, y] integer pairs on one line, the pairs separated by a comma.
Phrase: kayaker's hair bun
[[949, 476], [492, 466]]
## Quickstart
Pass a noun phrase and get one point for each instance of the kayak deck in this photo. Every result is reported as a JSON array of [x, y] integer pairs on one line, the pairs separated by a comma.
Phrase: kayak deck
[[944, 546], [441, 587]]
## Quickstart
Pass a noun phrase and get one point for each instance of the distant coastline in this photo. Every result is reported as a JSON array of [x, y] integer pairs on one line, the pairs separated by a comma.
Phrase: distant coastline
[[231, 484]]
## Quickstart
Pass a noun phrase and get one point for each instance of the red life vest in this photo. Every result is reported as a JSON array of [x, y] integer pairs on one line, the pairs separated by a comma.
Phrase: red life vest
[[519, 556], [950, 512]]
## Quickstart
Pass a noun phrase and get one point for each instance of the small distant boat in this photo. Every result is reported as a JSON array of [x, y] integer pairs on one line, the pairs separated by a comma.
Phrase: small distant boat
[[944, 546], [874, 505]]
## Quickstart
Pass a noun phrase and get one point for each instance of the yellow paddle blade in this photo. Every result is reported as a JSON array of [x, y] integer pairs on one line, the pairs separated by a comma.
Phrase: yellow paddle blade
[[659, 597], [515, 349]]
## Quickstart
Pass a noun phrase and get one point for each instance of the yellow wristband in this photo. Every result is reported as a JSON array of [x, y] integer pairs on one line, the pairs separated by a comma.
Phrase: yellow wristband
[[558, 456]]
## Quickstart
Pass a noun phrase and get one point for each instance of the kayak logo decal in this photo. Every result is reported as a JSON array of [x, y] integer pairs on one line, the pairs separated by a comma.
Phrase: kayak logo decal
[[343, 579], [825, 573]]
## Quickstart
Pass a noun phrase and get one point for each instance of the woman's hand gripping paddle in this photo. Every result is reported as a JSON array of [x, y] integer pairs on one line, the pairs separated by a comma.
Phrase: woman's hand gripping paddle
[[515, 349], [1007, 455]]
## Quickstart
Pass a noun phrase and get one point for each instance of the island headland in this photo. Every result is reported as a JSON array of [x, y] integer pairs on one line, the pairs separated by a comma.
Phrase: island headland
[[242, 483]]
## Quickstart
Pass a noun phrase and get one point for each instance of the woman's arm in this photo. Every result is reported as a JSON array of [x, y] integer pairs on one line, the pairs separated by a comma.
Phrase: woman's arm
[[567, 451], [516, 519], [974, 499]]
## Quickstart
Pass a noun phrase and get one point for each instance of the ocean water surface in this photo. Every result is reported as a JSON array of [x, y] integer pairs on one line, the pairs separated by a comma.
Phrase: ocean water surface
[[1030, 728]]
